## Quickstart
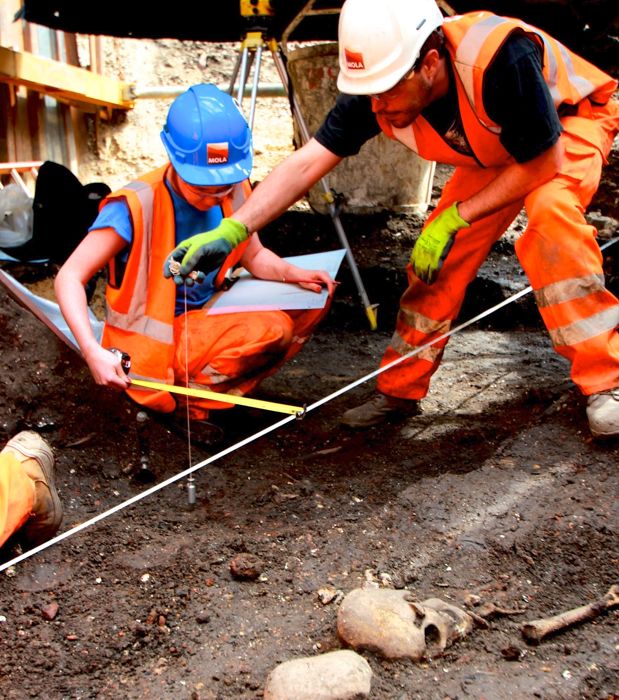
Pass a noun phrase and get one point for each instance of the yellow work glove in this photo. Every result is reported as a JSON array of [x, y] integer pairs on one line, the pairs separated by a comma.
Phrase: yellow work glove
[[204, 251], [434, 243]]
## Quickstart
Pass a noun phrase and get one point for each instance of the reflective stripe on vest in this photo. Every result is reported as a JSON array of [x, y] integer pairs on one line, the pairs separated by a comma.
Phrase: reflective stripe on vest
[[144, 325], [407, 137], [467, 54], [472, 42], [135, 318], [140, 313]]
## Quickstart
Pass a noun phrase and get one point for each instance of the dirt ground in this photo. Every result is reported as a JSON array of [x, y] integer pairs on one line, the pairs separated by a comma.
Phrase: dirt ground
[[495, 494]]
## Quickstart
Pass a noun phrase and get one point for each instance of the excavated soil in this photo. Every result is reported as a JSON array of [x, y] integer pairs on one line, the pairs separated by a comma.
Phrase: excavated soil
[[495, 494]]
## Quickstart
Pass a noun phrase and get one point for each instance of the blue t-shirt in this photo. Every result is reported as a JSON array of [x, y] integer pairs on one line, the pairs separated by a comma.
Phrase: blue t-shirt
[[188, 221]]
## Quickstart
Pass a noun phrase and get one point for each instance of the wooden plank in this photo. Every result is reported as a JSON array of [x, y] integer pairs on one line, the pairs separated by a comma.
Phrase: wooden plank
[[21, 166], [66, 83]]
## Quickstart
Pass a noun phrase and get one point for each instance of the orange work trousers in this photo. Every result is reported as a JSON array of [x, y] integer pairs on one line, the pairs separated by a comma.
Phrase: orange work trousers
[[16, 496], [557, 251], [233, 353]]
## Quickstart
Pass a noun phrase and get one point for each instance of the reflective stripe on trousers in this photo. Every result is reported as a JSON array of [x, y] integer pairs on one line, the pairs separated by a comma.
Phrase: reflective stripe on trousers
[[558, 252], [580, 314], [233, 353]]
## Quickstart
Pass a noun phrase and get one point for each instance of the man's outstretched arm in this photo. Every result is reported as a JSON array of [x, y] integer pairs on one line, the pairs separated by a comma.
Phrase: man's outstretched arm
[[284, 185]]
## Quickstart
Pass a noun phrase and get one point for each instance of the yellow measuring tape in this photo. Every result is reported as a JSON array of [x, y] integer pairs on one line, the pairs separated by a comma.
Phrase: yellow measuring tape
[[223, 398]]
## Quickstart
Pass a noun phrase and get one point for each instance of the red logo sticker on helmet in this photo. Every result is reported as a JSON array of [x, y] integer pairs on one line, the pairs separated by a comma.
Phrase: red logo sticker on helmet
[[216, 153], [354, 60]]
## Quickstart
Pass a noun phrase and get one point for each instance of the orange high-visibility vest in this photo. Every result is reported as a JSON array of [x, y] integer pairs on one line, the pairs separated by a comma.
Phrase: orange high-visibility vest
[[140, 310], [472, 41]]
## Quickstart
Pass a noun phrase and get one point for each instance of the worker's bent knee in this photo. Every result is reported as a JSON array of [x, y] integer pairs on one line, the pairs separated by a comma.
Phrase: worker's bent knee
[[277, 326]]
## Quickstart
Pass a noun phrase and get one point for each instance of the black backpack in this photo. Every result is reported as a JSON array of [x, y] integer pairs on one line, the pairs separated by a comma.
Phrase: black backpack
[[63, 210]]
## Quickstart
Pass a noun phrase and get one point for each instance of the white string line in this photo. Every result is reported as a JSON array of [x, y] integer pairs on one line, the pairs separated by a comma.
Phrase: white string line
[[144, 494], [268, 429], [420, 348]]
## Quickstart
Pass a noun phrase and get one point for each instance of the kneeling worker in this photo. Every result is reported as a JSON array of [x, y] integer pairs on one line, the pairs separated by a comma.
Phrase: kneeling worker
[[162, 323]]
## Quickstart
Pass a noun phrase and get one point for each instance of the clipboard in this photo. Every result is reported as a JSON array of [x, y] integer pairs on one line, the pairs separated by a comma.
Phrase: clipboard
[[251, 294]]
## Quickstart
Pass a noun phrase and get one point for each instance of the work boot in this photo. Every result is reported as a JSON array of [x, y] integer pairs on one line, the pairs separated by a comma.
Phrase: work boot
[[603, 413], [378, 410], [37, 460]]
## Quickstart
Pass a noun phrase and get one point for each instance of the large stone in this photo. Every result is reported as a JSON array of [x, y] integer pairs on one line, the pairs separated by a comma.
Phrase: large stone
[[338, 675]]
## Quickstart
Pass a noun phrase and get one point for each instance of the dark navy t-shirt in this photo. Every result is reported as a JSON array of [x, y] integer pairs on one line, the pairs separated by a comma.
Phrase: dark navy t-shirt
[[515, 96]]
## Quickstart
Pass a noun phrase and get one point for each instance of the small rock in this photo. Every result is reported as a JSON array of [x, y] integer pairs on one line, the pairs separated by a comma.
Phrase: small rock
[[512, 653], [49, 611], [326, 595], [472, 600], [140, 630], [246, 567]]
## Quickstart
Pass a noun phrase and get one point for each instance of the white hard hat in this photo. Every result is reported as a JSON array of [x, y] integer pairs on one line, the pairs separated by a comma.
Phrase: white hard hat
[[380, 40]]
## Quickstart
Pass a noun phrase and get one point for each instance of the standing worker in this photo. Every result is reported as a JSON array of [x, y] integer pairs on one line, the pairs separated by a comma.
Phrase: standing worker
[[166, 328], [30, 509], [526, 122]]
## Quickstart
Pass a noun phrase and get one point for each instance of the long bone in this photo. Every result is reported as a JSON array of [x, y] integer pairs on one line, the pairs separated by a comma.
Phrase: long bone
[[536, 630]]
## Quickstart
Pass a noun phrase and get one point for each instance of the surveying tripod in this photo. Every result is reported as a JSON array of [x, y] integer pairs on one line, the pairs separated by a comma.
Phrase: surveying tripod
[[257, 15]]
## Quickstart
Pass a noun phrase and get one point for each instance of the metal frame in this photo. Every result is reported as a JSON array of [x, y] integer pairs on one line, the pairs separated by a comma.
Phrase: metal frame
[[251, 50]]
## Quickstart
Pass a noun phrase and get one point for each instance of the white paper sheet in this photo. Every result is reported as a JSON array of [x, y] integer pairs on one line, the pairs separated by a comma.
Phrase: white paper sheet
[[47, 311], [251, 294]]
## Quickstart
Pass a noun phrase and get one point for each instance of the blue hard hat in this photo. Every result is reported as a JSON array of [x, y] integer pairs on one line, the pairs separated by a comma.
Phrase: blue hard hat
[[207, 138]]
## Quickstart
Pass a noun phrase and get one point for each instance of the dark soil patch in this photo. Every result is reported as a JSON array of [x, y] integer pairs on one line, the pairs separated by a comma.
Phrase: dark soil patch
[[496, 489]]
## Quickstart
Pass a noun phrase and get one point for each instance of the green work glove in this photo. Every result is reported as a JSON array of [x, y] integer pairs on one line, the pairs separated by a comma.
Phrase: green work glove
[[434, 243], [204, 251]]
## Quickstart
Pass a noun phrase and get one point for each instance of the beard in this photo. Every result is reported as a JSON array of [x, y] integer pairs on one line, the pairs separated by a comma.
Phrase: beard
[[416, 103]]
